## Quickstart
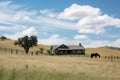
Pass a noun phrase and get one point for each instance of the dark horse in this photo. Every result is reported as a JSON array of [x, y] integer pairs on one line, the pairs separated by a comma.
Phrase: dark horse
[[95, 55]]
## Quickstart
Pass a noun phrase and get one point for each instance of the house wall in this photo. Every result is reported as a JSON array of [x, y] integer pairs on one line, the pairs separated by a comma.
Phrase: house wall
[[62, 52]]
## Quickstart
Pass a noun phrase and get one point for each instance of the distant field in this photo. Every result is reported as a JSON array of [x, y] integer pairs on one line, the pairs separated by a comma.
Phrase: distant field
[[41, 67], [103, 51]]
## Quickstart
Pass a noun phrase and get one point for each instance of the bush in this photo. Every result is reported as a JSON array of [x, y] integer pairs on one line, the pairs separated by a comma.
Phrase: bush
[[3, 38], [49, 52]]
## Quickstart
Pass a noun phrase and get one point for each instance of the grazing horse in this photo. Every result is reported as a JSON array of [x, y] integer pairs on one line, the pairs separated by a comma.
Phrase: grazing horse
[[95, 55]]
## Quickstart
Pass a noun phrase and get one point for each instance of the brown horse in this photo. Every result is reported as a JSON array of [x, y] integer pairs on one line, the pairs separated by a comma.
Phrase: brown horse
[[95, 55]]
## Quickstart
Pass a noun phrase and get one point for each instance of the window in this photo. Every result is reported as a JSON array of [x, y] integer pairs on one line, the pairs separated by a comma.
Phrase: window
[[60, 51], [79, 51], [74, 51]]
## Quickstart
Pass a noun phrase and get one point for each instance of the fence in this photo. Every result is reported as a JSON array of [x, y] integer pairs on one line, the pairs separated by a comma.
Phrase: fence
[[14, 51], [17, 51], [111, 58]]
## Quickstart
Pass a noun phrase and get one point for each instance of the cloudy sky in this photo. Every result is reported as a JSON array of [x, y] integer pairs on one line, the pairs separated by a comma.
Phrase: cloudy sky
[[93, 23]]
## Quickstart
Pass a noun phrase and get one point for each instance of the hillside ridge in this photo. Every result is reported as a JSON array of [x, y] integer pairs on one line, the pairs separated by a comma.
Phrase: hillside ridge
[[110, 47], [103, 51]]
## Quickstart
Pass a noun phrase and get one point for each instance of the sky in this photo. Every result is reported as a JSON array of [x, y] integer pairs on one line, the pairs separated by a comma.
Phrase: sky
[[94, 23]]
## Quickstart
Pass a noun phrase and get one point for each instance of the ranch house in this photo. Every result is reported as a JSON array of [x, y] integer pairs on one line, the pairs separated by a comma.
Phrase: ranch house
[[68, 49]]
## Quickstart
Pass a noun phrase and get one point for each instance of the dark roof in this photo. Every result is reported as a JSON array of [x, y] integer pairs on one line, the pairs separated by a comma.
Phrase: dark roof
[[70, 47]]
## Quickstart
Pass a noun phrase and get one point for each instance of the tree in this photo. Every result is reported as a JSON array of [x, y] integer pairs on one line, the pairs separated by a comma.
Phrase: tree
[[27, 42], [3, 38]]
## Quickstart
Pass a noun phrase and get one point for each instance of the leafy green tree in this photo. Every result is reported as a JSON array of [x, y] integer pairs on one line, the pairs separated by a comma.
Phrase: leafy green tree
[[27, 42]]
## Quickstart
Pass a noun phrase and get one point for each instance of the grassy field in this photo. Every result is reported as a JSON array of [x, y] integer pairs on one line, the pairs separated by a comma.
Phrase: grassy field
[[70, 67], [103, 51], [28, 67], [10, 45]]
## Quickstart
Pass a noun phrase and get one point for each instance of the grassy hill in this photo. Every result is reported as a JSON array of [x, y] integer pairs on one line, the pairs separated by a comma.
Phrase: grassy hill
[[104, 51], [10, 45], [45, 67]]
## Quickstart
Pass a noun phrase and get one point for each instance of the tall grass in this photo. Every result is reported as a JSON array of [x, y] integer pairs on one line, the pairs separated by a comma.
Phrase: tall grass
[[40, 75], [1, 73], [27, 74], [13, 75], [28, 67]]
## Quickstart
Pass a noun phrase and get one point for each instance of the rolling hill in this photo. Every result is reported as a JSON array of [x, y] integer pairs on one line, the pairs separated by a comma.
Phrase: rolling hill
[[10, 45], [57, 67], [104, 51]]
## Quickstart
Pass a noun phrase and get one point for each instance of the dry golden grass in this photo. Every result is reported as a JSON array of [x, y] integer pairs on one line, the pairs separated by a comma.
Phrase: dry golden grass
[[10, 45], [103, 51], [65, 64], [89, 69]]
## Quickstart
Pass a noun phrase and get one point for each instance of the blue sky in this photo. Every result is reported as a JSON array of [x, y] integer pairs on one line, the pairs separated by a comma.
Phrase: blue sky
[[93, 23]]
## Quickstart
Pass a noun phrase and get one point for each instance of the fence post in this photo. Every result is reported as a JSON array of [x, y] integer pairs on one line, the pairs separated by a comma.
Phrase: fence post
[[117, 57], [111, 57], [105, 57]]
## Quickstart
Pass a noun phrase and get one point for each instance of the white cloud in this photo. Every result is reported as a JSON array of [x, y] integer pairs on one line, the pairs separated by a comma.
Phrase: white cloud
[[12, 27], [90, 19], [48, 12], [27, 32], [5, 3], [7, 11], [77, 12], [54, 23], [13, 13], [24, 15], [99, 43], [18, 15], [3, 28], [96, 24], [116, 43], [57, 40], [82, 18], [80, 37], [54, 39]]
